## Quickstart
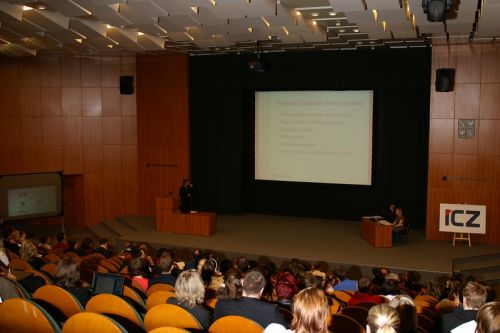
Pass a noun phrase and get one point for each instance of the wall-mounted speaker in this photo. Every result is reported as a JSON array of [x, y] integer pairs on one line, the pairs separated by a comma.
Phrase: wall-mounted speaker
[[127, 85], [445, 79]]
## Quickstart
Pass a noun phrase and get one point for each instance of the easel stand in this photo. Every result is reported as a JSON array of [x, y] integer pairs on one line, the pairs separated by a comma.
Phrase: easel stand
[[461, 236]]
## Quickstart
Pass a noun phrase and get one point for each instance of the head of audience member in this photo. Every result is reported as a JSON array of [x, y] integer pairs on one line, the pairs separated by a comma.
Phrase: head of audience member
[[474, 296], [103, 242], [310, 312], [399, 212], [44, 240], [28, 251], [364, 284], [137, 267], [242, 264], [232, 283], [407, 313], [60, 237], [341, 273], [253, 284], [488, 318], [208, 270], [390, 287], [87, 245], [225, 265], [189, 289], [72, 243], [22, 237], [6, 232], [14, 236], [166, 262], [68, 273], [309, 280], [432, 288], [382, 319], [286, 286]]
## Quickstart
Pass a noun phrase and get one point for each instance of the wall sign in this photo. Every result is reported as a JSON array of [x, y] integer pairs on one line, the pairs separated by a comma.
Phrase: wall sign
[[462, 218]]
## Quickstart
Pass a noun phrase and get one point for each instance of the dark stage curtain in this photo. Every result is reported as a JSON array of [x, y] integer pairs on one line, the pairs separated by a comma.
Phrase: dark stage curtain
[[222, 132]]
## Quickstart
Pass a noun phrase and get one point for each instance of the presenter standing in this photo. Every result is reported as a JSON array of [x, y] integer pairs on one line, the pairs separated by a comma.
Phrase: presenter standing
[[186, 195]]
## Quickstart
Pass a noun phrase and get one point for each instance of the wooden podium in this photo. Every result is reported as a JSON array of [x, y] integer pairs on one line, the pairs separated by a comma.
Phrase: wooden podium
[[170, 219], [378, 235]]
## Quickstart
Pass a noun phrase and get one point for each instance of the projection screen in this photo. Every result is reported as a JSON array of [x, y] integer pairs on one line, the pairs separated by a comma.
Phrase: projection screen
[[314, 136]]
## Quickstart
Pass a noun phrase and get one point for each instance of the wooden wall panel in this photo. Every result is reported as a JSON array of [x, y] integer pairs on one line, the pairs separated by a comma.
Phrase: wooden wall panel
[[162, 126], [489, 102], [65, 114], [471, 166]]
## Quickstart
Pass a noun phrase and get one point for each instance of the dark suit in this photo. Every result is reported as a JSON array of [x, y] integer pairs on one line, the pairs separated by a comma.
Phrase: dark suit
[[162, 278], [261, 312], [185, 193], [458, 317], [107, 253]]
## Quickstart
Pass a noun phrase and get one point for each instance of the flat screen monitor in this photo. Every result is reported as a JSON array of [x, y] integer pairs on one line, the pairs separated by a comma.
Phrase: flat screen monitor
[[107, 283]]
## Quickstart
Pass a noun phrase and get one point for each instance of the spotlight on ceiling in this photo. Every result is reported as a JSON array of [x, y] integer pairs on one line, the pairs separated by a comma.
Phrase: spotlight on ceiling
[[436, 9], [258, 64]]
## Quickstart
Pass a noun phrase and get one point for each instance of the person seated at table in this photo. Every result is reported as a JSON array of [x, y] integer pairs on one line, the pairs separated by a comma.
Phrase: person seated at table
[[400, 222]]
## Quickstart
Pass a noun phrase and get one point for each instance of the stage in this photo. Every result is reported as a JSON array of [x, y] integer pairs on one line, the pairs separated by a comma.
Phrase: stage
[[282, 238]]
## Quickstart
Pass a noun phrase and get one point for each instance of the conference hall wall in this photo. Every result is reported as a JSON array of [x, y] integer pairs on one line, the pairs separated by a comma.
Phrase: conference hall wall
[[66, 114], [222, 132], [466, 170]]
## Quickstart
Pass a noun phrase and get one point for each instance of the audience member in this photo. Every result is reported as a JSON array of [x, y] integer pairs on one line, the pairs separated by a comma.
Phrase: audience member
[[285, 289], [249, 305], [4, 262], [474, 296], [29, 253], [407, 313], [310, 313], [104, 248], [68, 277], [488, 318], [137, 268], [452, 301], [345, 283], [390, 288], [232, 288], [43, 246], [190, 294], [11, 243], [86, 247], [166, 276], [382, 319], [363, 293], [61, 244]]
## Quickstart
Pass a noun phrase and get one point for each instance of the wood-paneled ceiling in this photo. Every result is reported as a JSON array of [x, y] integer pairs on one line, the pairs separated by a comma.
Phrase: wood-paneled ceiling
[[200, 27]]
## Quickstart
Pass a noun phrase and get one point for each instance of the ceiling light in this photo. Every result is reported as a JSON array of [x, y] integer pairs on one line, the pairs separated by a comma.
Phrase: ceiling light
[[314, 22], [342, 30], [25, 8], [140, 33], [109, 26], [384, 25], [110, 46], [250, 29], [298, 13], [213, 2], [337, 24], [332, 13], [315, 14], [355, 30], [359, 43], [41, 7], [195, 9], [375, 15]]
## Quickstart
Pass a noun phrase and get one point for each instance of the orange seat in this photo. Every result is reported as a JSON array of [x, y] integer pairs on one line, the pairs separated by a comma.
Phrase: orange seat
[[342, 295], [134, 295], [60, 298], [88, 322], [168, 330], [20, 265], [159, 286], [169, 315], [235, 324], [159, 297], [109, 266], [24, 316], [49, 269], [114, 305]]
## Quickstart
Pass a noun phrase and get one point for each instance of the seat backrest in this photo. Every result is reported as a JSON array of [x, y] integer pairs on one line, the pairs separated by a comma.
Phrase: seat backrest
[[52, 257], [159, 297], [357, 313], [109, 266], [49, 269], [366, 305], [343, 295], [21, 315], [88, 322], [114, 305], [159, 286], [134, 295], [60, 298], [424, 321], [345, 324], [20, 265], [235, 324], [168, 330], [170, 315]]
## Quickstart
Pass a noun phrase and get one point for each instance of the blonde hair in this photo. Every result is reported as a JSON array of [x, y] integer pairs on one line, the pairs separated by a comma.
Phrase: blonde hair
[[28, 250], [382, 319], [310, 312], [488, 318], [189, 289]]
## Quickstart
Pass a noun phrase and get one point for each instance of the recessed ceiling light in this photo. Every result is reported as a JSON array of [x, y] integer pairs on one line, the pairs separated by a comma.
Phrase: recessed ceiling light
[[298, 13], [250, 29], [314, 14], [342, 30], [356, 30], [27, 8], [332, 13], [337, 24], [140, 33], [314, 22], [108, 26], [359, 43], [41, 7]]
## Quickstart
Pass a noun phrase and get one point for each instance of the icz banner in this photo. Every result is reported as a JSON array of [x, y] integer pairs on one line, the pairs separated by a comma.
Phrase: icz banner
[[462, 218]]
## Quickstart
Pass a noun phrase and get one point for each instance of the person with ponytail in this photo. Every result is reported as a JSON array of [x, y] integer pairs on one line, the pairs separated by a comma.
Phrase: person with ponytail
[[382, 319]]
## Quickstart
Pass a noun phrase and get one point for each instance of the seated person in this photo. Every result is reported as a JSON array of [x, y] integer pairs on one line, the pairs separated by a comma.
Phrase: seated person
[[249, 304], [407, 313], [29, 253], [363, 293], [137, 270], [190, 294], [310, 313], [345, 283], [382, 318], [233, 288], [61, 244], [104, 248], [488, 318], [68, 277], [400, 222], [166, 276]]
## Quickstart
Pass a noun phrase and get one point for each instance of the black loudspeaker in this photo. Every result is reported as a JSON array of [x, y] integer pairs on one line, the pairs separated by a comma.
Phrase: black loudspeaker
[[445, 79], [127, 85]]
